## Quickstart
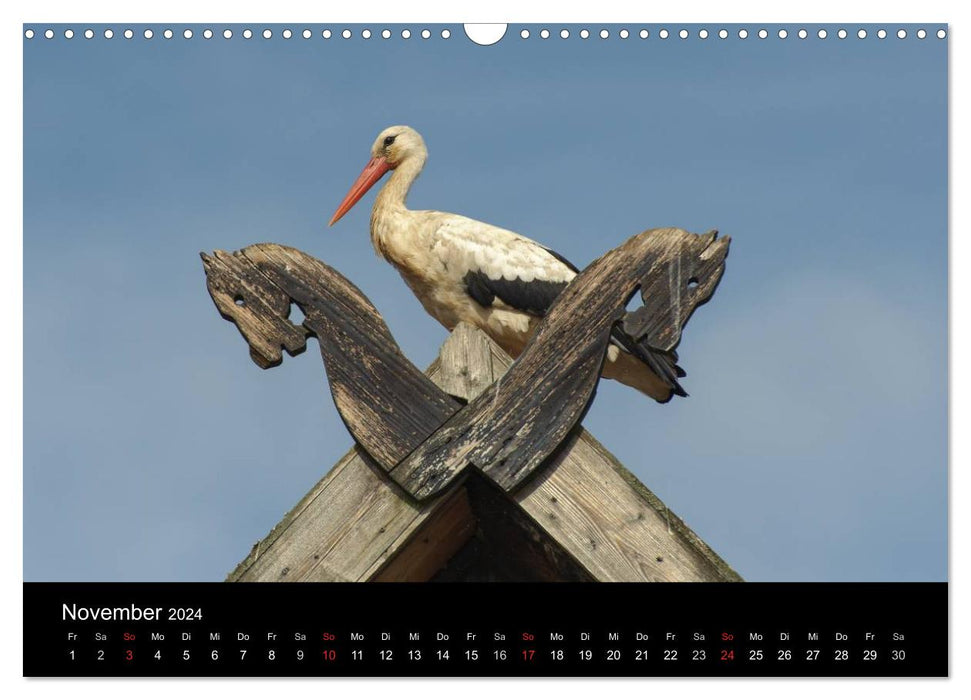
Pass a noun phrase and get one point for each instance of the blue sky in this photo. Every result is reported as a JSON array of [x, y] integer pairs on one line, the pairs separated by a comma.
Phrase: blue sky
[[813, 446]]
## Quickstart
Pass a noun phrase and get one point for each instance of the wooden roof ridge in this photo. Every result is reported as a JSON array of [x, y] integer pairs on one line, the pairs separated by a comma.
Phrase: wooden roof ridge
[[581, 516]]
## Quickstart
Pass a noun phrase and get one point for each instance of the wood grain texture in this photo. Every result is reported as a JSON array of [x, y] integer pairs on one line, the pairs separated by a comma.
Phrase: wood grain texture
[[388, 405], [682, 272], [340, 530], [430, 548], [613, 525], [468, 356], [419, 433], [610, 523], [259, 309], [509, 430], [508, 545], [519, 427], [354, 522]]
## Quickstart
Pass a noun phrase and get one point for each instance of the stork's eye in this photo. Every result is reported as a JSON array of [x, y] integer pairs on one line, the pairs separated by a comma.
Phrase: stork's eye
[[388, 140]]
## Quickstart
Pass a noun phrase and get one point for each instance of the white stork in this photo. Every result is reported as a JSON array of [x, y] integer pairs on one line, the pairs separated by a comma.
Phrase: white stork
[[465, 270]]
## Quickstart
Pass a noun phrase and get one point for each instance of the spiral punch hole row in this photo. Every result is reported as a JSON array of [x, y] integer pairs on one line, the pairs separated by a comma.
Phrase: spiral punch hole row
[[485, 37]]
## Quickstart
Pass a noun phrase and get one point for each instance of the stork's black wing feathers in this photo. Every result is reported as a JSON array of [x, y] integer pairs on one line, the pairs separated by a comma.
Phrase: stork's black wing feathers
[[562, 259], [663, 364], [537, 296], [477, 286], [533, 297]]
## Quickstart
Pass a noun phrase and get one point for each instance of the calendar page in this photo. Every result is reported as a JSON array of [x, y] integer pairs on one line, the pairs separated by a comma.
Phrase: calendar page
[[645, 375]]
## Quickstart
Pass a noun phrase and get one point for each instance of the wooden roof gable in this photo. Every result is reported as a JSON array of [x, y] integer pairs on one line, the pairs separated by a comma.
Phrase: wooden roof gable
[[477, 469]]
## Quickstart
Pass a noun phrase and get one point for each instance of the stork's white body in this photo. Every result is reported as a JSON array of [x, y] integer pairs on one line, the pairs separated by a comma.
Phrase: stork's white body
[[435, 252]]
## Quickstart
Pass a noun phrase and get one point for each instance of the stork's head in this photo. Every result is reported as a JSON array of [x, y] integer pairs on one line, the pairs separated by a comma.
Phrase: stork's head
[[395, 146]]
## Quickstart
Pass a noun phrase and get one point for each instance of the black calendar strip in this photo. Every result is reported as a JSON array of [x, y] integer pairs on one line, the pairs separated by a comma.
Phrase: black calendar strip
[[503, 629]]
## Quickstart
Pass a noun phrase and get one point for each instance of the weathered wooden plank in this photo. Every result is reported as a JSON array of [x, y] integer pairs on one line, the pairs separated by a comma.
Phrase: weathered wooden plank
[[352, 524], [510, 429], [468, 356], [355, 519], [388, 405], [259, 310], [427, 550], [607, 520], [683, 273], [418, 432], [618, 530], [339, 529], [508, 544]]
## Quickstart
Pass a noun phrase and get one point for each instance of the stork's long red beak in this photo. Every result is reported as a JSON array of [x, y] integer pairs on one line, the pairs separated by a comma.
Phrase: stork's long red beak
[[372, 172]]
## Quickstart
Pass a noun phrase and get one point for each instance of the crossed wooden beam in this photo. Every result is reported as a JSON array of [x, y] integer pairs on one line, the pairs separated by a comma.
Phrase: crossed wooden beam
[[422, 437]]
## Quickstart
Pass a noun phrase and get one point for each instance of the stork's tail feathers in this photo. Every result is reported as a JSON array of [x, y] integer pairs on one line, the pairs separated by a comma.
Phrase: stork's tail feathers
[[650, 371]]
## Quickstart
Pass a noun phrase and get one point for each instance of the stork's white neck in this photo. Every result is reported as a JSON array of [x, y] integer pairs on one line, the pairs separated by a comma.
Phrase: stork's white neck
[[395, 190], [389, 206]]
